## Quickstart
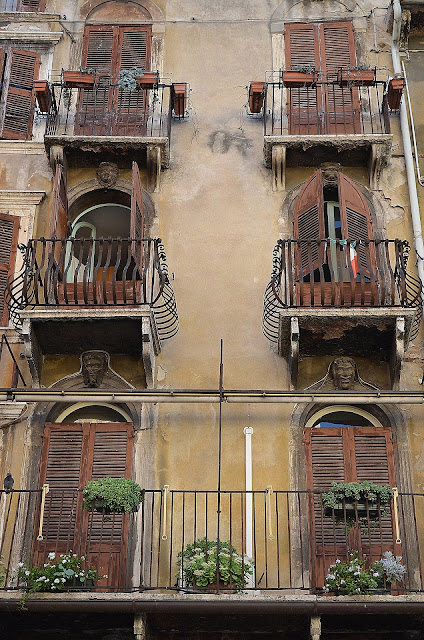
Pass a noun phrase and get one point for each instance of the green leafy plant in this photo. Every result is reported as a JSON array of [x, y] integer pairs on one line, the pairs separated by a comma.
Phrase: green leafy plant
[[340, 492], [198, 563], [67, 570], [128, 78], [305, 68], [351, 578], [116, 494]]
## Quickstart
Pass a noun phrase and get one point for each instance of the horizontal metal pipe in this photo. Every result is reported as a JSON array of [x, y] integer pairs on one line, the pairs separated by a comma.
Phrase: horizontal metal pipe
[[210, 396]]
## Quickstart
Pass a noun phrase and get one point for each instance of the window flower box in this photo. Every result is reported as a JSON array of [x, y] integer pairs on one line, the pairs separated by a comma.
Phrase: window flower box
[[256, 96], [298, 79], [43, 95], [350, 508], [148, 80], [394, 92], [179, 98], [356, 77], [78, 79]]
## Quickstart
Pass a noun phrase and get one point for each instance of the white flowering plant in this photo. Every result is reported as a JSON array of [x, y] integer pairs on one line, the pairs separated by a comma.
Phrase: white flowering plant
[[351, 578], [58, 572], [391, 568], [199, 564]]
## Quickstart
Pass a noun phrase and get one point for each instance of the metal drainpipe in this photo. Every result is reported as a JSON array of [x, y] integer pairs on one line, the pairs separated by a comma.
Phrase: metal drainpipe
[[409, 162]]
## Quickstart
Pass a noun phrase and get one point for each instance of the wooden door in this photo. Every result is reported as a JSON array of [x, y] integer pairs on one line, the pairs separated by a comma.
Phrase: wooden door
[[107, 109], [347, 454], [72, 455], [325, 108]]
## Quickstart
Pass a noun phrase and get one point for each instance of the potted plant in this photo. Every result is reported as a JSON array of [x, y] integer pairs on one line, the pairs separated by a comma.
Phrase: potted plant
[[64, 571], [391, 570], [119, 495], [256, 96], [361, 76], [43, 95], [148, 79], [351, 578], [82, 79], [300, 76], [128, 78], [351, 499], [198, 565]]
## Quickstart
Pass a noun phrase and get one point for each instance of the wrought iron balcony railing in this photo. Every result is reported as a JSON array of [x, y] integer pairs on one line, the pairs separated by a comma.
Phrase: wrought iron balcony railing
[[288, 538], [339, 273], [324, 107], [95, 272], [104, 109]]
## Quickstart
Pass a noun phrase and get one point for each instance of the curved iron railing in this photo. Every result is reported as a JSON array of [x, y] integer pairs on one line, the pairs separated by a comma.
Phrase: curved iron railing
[[94, 272], [340, 273]]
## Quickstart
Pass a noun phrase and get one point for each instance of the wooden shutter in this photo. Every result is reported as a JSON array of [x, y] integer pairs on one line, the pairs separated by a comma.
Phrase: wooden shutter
[[308, 218], [347, 454], [72, 455], [304, 104], [356, 220], [9, 228], [22, 69], [59, 212], [137, 211], [341, 104], [31, 5]]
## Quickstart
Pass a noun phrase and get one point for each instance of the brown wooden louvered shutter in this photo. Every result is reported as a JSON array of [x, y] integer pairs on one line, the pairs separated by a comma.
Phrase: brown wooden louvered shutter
[[137, 210], [59, 211], [341, 104], [304, 104], [9, 229], [21, 69], [356, 220], [308, 219], [347, 454], [31, 5]]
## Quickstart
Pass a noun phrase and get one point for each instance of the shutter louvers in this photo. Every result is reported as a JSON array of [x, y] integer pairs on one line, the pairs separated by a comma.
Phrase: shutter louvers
[[137, 212], [308, 218], [9, 228], [19, 102], [356, 220], [31, 5]]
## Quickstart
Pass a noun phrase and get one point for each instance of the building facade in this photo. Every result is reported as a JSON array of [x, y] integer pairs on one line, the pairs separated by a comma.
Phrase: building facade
[[211, 279]]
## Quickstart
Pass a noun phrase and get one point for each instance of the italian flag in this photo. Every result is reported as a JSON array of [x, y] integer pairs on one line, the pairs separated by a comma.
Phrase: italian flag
[[353, 259]]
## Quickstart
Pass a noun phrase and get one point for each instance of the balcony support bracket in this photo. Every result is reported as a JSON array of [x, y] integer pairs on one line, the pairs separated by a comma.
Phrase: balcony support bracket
[[150, 348], [279, 167], [153, 167], [315, 628], [294, 351], [377, 162], [399, 348], [140, 627], [56, 156], [32, 352]]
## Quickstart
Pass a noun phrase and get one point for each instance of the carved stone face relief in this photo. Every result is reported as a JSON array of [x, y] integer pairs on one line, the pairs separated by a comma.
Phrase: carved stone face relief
[[342, 375], [107, 174], [94, 365], [330, 173]]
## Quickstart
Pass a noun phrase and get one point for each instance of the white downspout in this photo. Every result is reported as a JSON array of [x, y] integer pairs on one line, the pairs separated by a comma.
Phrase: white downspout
[[248, 431], [409, 163]]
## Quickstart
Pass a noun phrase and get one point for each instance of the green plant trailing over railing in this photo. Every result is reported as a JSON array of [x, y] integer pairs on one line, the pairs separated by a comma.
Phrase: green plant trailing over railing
[[352, 578], [115, 494], [340, 492], [199, 563], [128, 78], [67, 570]]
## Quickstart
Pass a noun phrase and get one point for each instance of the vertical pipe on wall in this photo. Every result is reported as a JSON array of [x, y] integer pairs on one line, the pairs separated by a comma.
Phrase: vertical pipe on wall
[[409, 162], [248, 431]]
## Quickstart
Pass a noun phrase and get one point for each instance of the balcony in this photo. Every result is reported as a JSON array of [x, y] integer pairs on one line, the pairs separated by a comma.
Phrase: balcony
[[106, 119], [120, 286], [329, 119], [362, 286], [288, 538]]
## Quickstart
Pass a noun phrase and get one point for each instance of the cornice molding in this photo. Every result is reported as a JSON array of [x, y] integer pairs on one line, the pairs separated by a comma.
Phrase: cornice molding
[[19, 198], [50, 37], [26, 147]]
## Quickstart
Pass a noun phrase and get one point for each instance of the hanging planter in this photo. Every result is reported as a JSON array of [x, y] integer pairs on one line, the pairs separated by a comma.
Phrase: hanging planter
[[179, 92], [148, 80], [107, 495], [394, 92], [356, 77], [78, 79], [349, 501], [43, 95], [256, 96], [296, 79]]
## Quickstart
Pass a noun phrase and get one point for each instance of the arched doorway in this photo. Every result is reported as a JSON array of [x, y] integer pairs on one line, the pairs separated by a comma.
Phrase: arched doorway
[[344, 444], [87, 442]]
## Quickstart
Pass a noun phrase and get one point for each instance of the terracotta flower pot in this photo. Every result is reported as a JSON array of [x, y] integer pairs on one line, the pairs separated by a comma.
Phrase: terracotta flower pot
[[78, 79], [256, 96], [43, 95], [298, 79], [356, 77], [394, 92], [149, 80], [179, 98]]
